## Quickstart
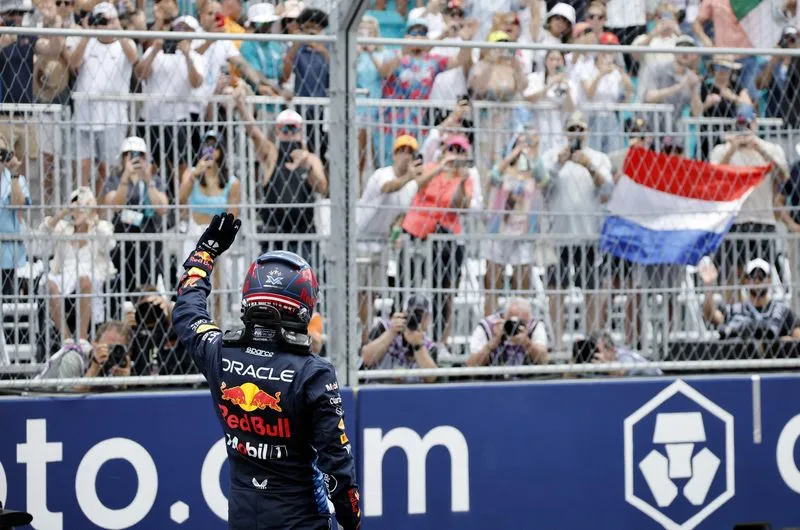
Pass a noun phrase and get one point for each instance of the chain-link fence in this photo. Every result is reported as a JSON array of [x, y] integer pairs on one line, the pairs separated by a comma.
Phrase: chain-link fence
[[509, 204]]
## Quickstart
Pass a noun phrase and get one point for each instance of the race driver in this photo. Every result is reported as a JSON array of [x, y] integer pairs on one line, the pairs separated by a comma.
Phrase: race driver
[[278, 404]]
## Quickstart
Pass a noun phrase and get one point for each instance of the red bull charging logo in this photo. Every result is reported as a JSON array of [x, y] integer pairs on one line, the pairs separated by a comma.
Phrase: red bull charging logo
[[249, 397]]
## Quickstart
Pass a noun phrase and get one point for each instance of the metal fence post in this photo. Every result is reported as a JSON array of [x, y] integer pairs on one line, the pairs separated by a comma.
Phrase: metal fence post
[[342, 155]]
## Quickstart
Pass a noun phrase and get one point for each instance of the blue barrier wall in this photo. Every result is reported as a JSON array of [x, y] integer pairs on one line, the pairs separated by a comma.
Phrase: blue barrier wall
[[661, 453]]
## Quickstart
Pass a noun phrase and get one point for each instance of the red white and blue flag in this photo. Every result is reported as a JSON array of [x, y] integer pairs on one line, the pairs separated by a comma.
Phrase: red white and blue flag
[[667, 209]]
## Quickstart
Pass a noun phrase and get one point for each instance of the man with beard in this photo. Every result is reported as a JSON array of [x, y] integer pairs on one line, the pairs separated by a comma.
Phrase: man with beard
[[757, 318], [290, 174]]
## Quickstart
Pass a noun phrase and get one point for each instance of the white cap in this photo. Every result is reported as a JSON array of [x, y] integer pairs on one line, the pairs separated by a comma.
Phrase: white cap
[[757, 263], [261, 14], [105, 8], [187, 20], [134, 143], [289, 116], [16, 5], [564, 10]]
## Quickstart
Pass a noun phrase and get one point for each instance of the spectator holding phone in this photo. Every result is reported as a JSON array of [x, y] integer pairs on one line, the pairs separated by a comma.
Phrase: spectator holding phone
[[579, 181], [14, 200], [387, 195], [509, 338], [107, 356], [171, 69], [139, 202], [79, 266], [514, 204], [552, 87], [103, 66], [402, 341], [453, 187]]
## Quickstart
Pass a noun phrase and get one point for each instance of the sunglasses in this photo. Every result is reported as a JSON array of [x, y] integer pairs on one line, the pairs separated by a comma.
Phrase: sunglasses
[[417, 32], [456, 149], [575, 128], [290, 129], [60, 3], [595, 16]]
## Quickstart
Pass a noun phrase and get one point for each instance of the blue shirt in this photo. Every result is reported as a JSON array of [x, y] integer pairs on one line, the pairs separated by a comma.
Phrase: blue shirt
[[367, 76], [311, 73], [266, 57], [16, 71], [12, 253]]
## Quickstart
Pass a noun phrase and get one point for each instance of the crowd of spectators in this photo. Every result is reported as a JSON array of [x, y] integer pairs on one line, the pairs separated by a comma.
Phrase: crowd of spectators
[[481, 154]]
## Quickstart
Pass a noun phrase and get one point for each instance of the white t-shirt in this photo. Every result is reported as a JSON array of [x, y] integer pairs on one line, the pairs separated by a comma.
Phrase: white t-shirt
[[216, 56], [376, 210], [549, 121], [608, 89], [626, 13], [448, 86], [435, 21], [478, 339], [170, 77], [757, 208], [573, 198], [105, 69]]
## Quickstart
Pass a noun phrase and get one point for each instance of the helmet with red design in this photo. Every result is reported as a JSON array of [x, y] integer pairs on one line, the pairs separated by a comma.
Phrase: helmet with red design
[[280, 292]]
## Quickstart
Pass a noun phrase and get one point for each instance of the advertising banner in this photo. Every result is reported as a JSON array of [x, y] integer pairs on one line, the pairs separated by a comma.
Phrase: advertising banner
[[702, 453]]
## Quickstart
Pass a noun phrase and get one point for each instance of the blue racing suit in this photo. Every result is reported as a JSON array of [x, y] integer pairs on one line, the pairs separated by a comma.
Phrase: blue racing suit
[[282, 418]]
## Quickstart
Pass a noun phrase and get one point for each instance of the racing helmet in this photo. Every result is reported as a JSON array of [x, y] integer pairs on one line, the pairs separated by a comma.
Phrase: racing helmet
[[280, 291]]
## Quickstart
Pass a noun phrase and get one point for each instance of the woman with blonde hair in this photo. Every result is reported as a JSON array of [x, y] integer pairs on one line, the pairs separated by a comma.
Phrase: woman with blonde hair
[[79, 267]]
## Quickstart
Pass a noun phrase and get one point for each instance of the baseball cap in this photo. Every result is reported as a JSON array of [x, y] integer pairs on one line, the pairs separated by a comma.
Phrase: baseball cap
[[11, 518], [416, 22], [135, 144], [289, 116], [499, 36], [105, 8], [563, 10], [83, 196], [458, 139], [789, 31], [7, 6], [188, 21], [576, 119], [311, 14], [685, 40], [262, 13], [757, 264], [405, 140], [418, 301], [608, 38]]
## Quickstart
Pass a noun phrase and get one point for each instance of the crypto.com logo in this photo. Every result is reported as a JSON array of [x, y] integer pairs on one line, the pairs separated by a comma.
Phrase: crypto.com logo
[[676, 457]]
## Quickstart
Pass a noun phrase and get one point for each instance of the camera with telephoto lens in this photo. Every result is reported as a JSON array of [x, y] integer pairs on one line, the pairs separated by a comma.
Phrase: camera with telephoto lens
[[414, 319], [511, 327], [97, 20], [6, 155], [170, 46], [116, 356], [575, 145]]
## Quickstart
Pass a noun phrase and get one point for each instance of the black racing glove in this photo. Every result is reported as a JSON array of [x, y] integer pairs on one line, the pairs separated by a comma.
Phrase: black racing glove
[[217, 238]]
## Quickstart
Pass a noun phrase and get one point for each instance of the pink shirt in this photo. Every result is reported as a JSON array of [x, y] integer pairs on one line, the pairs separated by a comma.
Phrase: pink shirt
[[728, 33]]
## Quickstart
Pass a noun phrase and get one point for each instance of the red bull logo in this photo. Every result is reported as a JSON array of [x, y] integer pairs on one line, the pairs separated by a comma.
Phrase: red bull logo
[[204, 258], [255, 424], [249, 397]]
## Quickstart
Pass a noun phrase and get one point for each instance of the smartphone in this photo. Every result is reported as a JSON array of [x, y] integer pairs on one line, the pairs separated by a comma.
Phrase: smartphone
[[418, 159]]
